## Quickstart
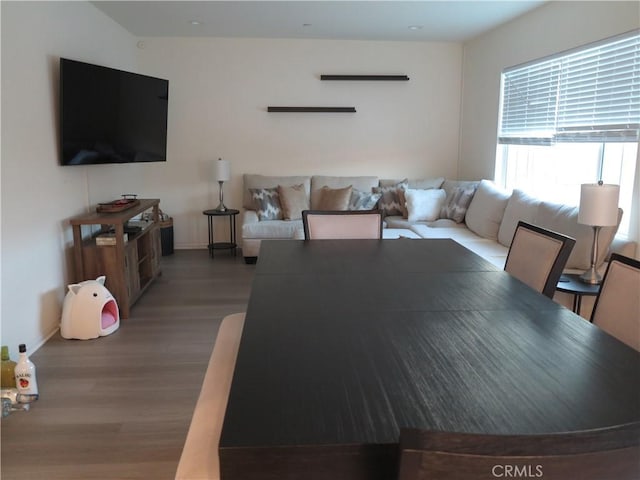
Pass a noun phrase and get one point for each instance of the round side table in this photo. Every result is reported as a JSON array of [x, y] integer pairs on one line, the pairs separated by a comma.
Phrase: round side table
[[231, 244], [571, 283]]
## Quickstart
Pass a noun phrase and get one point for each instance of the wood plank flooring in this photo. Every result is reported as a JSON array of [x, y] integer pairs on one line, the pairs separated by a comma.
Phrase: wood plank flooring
[[119, 407]]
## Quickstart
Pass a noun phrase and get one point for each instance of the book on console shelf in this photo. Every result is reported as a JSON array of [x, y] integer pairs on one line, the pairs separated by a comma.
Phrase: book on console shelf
[[108, 239]]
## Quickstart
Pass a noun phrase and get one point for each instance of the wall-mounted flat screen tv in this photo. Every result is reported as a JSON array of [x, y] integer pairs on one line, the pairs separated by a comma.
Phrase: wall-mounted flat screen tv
[[111, 116]]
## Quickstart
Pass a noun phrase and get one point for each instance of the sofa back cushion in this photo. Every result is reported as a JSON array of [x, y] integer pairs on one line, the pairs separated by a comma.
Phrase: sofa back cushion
[[485, 212], [564, 219], [364, 184], [417, 183], [519, 207], [265, 181]]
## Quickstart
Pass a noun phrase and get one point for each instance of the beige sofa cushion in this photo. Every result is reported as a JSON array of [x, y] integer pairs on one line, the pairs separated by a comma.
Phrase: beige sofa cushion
[[293, 201], [363, 183], [519, 207], [271, 229], [264, 181], [564, 219], [486, 210], [334, 198]]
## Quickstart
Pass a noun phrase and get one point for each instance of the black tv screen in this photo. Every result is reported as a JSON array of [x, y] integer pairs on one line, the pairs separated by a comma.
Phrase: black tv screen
[[111, 116]]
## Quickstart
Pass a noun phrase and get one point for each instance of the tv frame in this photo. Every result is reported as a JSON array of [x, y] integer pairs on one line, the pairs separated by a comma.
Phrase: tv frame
[[124, 129]]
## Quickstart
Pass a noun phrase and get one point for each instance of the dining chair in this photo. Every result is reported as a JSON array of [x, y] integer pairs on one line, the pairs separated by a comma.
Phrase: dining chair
[[617, 306], [537, 257], [611, 453], [348, 224], [199, 458]]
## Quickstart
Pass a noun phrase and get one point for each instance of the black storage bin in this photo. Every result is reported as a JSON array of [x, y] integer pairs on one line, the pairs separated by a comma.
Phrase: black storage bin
[[166, 237]]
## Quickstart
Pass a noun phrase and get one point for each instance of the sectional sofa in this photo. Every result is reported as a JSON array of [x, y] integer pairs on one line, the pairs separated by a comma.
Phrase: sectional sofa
[[476, 214]]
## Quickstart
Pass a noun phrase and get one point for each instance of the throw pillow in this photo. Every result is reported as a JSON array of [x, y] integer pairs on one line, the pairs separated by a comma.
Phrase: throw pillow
[[334, 198], [293, 201], [390, 202], [266, 203], [403, 202], [486, 210], [423, 205], [251, 180], [363, 200], [456, 204]]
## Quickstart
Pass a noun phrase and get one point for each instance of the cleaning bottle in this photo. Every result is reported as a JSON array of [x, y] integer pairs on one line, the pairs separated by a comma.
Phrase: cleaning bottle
[[8, 379], [25, 373]]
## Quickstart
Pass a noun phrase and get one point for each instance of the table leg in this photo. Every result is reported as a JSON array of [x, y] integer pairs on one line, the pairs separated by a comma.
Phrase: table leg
[[232, 230], [578, 304], [210, 218]]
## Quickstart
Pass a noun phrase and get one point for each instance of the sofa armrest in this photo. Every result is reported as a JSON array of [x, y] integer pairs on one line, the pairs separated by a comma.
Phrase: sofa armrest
[[623, 246]]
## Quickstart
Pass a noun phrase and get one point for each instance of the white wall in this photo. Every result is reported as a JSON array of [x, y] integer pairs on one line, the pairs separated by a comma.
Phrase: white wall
[[38, 195], [220, 90], [551, 28]]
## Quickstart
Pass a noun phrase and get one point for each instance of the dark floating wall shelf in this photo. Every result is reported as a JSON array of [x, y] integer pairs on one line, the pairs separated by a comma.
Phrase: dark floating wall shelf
[[365, 77], [312, 109]]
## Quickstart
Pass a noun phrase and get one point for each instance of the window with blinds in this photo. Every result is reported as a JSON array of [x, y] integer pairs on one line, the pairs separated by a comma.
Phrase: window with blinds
[[587, 95]]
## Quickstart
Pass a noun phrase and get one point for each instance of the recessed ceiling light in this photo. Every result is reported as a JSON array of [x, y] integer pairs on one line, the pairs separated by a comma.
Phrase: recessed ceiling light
[[415, 27], [195, 22]]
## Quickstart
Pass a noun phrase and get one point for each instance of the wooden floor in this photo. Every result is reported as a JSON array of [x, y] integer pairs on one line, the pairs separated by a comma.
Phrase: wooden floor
[[119, 407]]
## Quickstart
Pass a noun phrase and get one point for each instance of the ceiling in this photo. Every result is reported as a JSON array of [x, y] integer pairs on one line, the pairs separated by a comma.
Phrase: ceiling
[[453, 20]]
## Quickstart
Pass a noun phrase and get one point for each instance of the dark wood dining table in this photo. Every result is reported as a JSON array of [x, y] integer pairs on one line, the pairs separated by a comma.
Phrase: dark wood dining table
[[347, 341]]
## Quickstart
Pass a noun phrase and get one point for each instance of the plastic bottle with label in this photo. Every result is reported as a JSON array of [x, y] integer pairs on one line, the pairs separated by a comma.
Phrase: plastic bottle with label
[[7, 377], [25, 373]]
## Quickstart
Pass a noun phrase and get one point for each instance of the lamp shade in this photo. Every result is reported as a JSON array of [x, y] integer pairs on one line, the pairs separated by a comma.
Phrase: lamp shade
[[222, 170], [599, 204]]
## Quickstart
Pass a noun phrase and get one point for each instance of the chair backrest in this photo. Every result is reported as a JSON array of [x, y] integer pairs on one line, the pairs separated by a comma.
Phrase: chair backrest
[[538, 256], [617, 307], [601, 454], [199, 457], [349, 224]]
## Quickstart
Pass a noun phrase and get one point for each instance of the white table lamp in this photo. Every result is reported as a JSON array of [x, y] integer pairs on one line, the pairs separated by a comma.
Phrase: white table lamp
[[598, 208], [222, 172]]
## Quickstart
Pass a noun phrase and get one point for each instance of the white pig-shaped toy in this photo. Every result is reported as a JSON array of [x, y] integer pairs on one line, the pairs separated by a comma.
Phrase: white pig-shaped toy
[[89, 311]]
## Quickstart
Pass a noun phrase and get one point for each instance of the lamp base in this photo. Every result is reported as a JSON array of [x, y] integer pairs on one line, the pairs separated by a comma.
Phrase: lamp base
[[221, 207], [591, 276]]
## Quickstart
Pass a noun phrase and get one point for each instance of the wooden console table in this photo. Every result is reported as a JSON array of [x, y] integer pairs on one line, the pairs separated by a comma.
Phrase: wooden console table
[[129, 266]]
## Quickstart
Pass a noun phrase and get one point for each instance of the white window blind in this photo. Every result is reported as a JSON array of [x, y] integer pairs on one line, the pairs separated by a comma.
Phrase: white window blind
[[588, 95]]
